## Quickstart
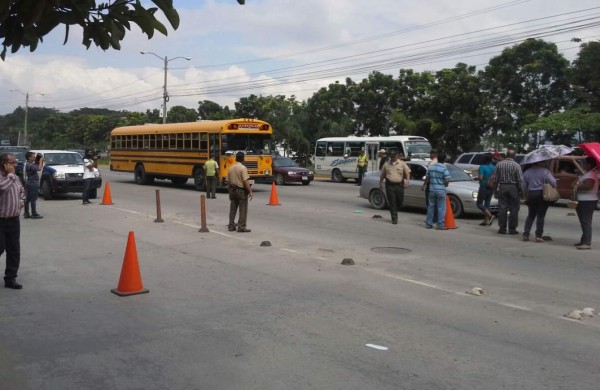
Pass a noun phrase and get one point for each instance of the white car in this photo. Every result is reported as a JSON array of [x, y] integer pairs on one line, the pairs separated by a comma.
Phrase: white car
[[63, 173]]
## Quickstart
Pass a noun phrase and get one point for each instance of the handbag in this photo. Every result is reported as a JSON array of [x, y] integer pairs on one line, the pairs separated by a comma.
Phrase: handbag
[[550, 193]]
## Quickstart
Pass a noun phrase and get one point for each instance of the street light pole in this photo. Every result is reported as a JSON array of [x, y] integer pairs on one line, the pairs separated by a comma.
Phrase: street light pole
[[26, 94], [165, 93]]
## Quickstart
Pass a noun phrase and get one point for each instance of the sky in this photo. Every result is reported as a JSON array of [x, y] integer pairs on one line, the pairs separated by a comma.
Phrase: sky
[[282, 47]]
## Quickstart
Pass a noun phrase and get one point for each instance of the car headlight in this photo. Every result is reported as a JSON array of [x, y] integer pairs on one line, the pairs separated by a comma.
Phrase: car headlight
[[310, 172], [58, 175], [291, 173], [474, 194]]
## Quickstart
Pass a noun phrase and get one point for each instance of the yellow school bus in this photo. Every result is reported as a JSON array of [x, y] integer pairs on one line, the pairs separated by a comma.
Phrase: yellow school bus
[[178, 151]]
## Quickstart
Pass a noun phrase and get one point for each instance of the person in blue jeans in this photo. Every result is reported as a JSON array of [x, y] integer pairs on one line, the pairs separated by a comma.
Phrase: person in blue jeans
[[437, 179], [484, 195]]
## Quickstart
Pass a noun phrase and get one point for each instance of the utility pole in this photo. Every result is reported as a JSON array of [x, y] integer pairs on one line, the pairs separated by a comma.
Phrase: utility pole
[[26, 94], [165, 93]]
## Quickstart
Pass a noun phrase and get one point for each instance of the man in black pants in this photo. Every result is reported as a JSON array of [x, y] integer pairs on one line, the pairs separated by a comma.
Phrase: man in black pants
[[397, 177], [12, 195]]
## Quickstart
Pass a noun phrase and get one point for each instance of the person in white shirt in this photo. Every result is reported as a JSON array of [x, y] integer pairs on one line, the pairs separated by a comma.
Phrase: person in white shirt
[[587, 199], [88, 176]]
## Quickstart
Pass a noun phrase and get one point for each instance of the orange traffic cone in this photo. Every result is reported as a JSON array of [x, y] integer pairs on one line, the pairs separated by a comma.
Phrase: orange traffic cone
[[130, 282], [273, 201], [106, 199], [449, 218]]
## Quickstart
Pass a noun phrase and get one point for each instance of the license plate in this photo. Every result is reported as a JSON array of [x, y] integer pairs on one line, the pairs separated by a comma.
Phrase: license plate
[[304, 177]]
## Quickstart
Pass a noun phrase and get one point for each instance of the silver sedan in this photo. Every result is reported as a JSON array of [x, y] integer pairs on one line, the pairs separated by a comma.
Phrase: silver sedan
[[462, 190]]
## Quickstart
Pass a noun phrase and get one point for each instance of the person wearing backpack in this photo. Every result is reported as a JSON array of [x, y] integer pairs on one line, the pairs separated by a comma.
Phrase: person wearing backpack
[[32, 183]]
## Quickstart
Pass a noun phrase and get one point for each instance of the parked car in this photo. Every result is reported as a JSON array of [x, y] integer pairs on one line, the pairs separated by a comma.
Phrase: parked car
[[286, 170], [566, 171], [462, 190], [470, 162], [63, 173]]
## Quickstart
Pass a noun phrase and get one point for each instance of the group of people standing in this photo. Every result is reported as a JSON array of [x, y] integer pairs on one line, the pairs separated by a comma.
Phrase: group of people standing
[[510, 184]]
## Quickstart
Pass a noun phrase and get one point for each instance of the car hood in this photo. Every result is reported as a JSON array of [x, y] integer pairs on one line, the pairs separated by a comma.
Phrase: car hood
[[67, 168], [293, 169]]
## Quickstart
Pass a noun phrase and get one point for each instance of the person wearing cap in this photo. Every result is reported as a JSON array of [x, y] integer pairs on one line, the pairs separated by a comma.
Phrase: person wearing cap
[[396, 174], [239, 194], [382, 158]]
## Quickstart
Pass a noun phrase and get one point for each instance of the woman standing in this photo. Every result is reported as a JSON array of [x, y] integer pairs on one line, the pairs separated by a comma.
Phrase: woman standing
[[533, 184], [484, 195], [587, 198]]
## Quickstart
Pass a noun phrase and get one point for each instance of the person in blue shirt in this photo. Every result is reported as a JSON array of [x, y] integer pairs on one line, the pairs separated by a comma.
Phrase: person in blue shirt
[[437, 179], [484, 195]]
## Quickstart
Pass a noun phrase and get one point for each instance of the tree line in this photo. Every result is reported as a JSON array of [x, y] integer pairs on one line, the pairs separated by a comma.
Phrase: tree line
[[526, 96]]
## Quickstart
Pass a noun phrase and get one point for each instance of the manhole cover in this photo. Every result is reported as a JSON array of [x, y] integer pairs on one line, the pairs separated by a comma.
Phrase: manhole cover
[[390, 250]]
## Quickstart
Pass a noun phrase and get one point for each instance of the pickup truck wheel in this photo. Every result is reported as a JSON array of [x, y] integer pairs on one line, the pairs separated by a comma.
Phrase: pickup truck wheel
[[46, 190]]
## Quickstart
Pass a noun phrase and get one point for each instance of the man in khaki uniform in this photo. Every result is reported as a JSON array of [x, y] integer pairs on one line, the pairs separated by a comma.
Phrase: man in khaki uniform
[[397, 176], [239, 194]]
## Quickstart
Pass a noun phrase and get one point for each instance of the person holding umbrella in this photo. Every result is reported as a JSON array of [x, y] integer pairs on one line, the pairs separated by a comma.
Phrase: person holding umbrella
[[587, 199]]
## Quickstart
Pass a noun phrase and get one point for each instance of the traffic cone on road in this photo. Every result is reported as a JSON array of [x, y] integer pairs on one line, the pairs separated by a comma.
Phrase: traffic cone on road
[[449, 218], [107, 199], [273, 201], [130, 282]]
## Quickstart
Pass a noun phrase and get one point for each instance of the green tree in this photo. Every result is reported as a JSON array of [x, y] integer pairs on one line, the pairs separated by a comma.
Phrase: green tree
[[525, 82], [374, 98], [179, 114], [330, 112], [585, 75], [212, 111], [455, 108], [569, 127]]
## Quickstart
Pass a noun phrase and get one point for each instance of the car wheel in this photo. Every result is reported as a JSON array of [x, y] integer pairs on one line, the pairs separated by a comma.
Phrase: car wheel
[[46, 190], [94, 193], [457, 207], [377, 199], [199, 179], [279, 179], [336, 176], [306, 182]]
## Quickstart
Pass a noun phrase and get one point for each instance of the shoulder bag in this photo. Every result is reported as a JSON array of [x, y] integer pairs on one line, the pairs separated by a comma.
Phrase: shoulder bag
[[550, 193]]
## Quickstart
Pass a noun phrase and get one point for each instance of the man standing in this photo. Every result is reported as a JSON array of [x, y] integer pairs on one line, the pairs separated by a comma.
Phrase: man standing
[[361, 166], [32, 183], [88, 177], [12, 194], [211, 172], [508, 178], [436, 181], [397, 176], [239, 194], [90, 155]]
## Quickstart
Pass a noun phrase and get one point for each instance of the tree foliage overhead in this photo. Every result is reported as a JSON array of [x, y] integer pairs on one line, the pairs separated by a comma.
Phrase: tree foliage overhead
[[24, 23]]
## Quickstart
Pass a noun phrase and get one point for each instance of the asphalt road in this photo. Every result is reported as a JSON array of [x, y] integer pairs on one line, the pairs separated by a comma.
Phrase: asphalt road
[[224, 312]]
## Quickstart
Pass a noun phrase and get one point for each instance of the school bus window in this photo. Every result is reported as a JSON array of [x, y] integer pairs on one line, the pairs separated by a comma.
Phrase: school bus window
[[152, 141], [134, 142], [203, 142], [195, 141], [187, 141], [127, 142], [146, 142], [165, 141]]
